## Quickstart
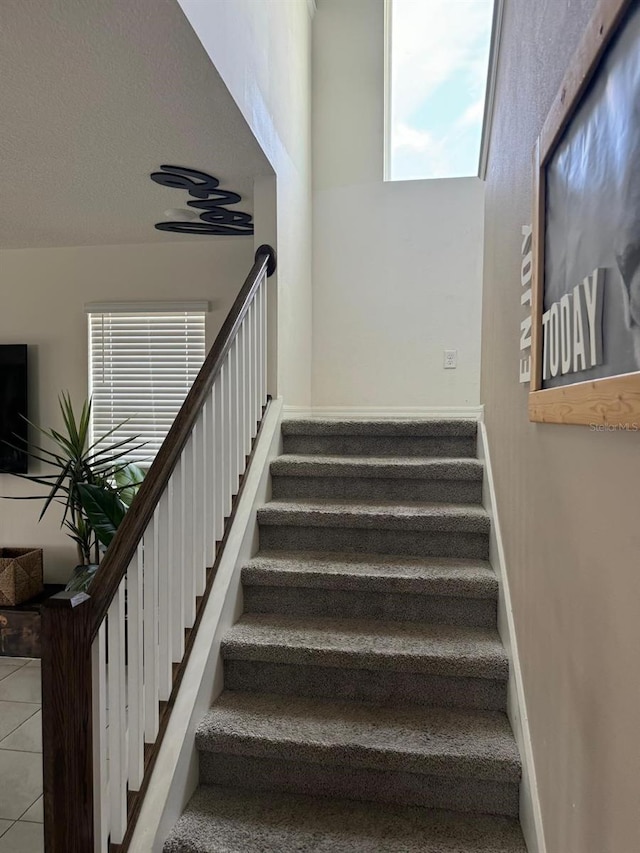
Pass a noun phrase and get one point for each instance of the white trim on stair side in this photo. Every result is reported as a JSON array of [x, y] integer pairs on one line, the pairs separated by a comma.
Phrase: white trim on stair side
[[175, 775], [530, 811], [349, 413]]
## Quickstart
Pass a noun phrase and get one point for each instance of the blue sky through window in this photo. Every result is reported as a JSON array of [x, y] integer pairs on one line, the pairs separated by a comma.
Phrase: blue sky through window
[[439, 60]]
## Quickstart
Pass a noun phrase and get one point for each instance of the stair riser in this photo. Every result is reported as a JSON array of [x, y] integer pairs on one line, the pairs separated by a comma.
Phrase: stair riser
[[375, 488], [380, 445], [382, 686], [407, 543], [275, 569], [304, 601], [439, 792]]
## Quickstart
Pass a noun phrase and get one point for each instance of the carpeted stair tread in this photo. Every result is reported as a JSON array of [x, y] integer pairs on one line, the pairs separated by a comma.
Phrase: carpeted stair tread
[[368, 644], [365, 687], [298, 465], [373, 573], [401, 428], [414, 516], [227, 820], [434, 741]]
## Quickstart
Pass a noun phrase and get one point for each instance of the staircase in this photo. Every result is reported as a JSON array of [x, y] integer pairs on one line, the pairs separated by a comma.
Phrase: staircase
[[365, 684]]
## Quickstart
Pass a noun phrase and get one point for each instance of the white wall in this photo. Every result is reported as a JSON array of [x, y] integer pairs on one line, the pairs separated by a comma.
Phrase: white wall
[[261, 49], [43, 296], [397, 267]]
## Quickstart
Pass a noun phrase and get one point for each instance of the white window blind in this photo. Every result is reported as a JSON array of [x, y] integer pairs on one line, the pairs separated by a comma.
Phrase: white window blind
[[142, 365]]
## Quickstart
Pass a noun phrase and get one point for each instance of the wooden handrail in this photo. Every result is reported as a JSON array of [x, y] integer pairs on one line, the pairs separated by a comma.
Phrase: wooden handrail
[[123, 547]]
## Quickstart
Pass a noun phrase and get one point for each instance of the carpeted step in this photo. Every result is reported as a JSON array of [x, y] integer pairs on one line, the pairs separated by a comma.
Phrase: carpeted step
[[221, 820], [450, 438], [371, 478], [368, 660], [365, 687], [440, 758], [409, 529], [444, 591]]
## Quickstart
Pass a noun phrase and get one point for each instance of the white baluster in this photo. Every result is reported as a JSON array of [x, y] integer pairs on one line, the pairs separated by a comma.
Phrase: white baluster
[[240, 383], [165, 610], [116, 715], [188, 479], [254, 365], [199, 503], [101, 809], [150, 630], [237, 410], [248, 382], [248, 369], [234, 381], [135, 685], [219, 464], [240, 402], [176, 501], [241, 413], [242, 367], [259, 345], [264, 341], [227, 451], [210, 491]]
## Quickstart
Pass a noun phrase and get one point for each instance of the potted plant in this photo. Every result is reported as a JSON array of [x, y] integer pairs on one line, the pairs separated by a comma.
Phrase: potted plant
[[93, 482]]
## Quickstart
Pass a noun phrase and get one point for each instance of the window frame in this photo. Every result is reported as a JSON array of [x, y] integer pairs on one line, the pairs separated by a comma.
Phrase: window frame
[[490, 91]]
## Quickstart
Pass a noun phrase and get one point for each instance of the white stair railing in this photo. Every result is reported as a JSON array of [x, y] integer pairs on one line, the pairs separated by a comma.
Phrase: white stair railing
[[145, 597]]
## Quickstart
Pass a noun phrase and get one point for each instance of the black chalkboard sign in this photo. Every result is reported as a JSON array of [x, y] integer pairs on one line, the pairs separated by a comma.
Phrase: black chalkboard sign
[[585, 249], [13, 408]]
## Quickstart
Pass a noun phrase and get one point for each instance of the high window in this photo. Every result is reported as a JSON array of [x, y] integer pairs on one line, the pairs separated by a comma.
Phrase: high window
[[143, 361], [437, 64]]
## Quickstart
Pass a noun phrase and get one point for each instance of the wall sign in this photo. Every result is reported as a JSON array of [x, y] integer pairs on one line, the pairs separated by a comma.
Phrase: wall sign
[[526, 273], [585, 241], [215, 217]]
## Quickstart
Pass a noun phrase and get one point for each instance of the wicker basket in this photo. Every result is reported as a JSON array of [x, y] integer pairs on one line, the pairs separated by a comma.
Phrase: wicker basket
[[20, 574]]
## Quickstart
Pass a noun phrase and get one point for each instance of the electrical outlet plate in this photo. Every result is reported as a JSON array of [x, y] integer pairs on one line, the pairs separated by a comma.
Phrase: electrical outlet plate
[[450, 359]]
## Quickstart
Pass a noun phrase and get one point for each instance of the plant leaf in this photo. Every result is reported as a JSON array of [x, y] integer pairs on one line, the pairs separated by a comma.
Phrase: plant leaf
[[109, 433], [85, 421], [55, 488], [118, 445], [107, 466], [70, 422], [81, 581], [128, 480], [59, 462], [103, 509], [42, 480]]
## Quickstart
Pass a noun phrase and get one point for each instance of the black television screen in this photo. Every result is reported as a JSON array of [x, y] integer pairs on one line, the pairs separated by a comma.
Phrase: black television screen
[[13, 407]]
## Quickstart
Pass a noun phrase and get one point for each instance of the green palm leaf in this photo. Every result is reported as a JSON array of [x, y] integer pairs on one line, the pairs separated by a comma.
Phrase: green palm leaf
[[88, 480]]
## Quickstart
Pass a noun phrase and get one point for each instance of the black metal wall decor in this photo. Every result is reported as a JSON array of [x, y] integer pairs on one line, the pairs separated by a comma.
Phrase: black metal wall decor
[[215, 218]]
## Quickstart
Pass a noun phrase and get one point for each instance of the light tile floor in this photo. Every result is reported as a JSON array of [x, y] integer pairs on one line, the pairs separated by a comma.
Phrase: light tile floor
[[20, 756]]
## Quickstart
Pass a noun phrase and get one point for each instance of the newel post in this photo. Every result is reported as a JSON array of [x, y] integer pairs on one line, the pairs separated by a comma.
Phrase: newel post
[[66, 723]]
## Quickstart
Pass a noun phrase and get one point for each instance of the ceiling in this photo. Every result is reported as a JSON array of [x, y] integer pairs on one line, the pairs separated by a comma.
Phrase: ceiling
[[95, 95]]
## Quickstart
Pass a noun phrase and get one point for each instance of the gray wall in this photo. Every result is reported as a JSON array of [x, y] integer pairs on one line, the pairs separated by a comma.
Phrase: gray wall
[[569, 497]]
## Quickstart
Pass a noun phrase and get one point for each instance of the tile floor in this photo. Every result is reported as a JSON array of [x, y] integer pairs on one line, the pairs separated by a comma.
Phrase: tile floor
[[20, 756]]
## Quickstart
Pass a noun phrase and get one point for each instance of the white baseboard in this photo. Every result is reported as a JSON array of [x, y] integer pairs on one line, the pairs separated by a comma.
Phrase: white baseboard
[[175, 775], [530, 811], [382, 413]]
